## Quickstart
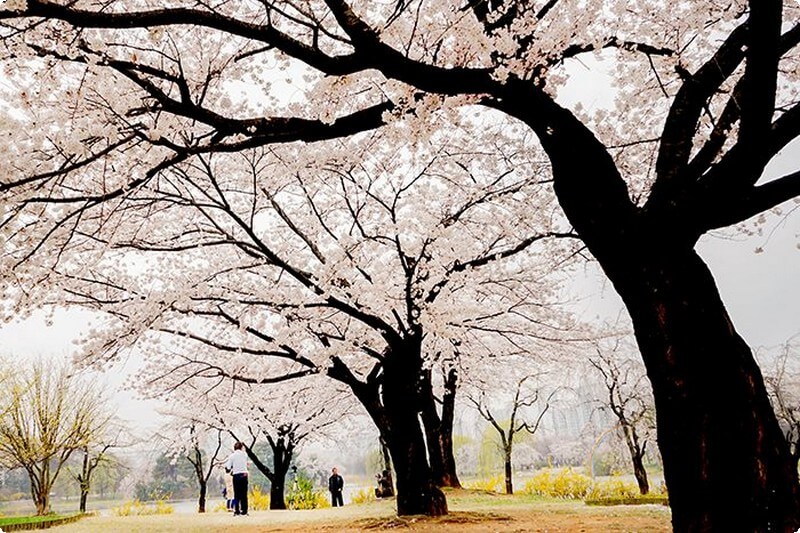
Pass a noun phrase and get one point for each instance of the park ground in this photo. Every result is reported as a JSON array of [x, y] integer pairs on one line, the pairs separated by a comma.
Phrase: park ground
[[470, 511]]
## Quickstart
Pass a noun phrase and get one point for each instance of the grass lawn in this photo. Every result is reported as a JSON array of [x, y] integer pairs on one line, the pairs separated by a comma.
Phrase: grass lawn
[[470, 511], [14, 520]]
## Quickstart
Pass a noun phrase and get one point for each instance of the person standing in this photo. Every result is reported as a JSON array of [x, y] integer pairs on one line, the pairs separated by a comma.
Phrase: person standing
[[237, 466], [230, 501], [335, 485]]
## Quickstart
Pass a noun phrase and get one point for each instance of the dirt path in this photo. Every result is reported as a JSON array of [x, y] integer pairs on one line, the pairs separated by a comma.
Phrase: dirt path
[[470, 513]]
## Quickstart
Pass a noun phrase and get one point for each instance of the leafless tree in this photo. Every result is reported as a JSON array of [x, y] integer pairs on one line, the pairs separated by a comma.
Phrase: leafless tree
[[52, 413], [524, 398], [630, 401]]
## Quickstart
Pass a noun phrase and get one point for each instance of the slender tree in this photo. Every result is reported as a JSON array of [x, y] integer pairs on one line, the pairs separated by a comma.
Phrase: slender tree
[[203, 463], [629, 400], [97, 454], [524, 398]]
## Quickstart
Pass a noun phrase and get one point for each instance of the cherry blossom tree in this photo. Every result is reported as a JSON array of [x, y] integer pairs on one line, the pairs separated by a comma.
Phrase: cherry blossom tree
[[703, 100], [374, 272], [285, 416], [197, 443]]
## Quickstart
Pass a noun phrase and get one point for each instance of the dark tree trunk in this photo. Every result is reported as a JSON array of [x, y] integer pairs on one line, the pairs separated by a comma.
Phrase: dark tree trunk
[[416, 491], [727, 464], [281, 459], [388, 490], [449, 475], [201, 500], [84, 497], [637, 457], [277, 490], [508, 470], [641, 475], [84, 480], [439, 430], [391, 396]]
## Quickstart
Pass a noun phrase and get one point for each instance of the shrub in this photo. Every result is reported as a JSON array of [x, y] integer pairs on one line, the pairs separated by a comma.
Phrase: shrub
[[257, 500], [137, 508], [363, 496], [303, 496], [493, 484], [614, 488], [563, 483]]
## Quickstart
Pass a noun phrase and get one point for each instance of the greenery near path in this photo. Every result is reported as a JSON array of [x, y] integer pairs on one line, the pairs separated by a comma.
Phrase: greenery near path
[[469, 511]]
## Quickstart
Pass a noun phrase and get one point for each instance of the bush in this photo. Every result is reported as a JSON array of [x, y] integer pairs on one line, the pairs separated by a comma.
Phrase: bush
[[563, 483], [137, 508], [257, 500], [659, 499], [363, 496], [303, 496], [615, 488], [493, 484]]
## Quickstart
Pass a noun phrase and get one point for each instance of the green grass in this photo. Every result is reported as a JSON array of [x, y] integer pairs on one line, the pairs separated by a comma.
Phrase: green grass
[[11, 523]]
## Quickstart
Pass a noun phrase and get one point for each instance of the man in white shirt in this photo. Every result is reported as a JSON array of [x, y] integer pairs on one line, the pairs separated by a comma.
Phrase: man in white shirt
[[237, 466]]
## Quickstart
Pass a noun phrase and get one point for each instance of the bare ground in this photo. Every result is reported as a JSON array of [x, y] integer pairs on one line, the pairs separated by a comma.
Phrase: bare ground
[[469, 512]]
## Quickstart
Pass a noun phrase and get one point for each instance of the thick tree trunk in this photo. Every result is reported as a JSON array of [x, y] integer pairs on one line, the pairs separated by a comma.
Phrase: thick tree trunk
[[42, 502], [391, 397], [726, 462], [277, 491], [201, 501], [281, 459], [439, 431], [416, 491]]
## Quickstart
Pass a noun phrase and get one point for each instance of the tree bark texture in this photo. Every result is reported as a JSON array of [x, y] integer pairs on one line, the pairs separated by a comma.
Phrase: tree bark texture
[[637, 457], [416, 491], [281, 458], [201, 500], [508, 470], [727, 464], [439, 430]]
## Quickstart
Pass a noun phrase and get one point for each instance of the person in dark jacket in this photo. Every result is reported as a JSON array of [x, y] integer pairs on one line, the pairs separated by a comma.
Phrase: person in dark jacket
[[335, 485]]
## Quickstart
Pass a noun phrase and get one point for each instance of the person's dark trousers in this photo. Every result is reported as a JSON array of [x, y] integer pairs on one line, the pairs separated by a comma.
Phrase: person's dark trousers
[[336, 499], [240, 493]]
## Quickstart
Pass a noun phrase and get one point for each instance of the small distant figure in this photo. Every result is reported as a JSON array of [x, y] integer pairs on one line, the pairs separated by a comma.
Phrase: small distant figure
[[227, 493], [236, 465], [385, 488], [335, 485]]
